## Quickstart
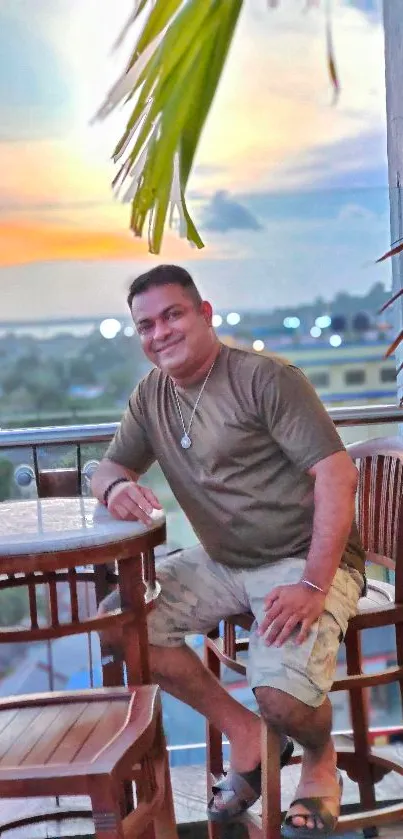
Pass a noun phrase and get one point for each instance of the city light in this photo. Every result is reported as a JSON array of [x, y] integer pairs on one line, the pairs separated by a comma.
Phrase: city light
[[291, 323], [109, 328], [217, 320], [316, 332], [258, 345], [335, 340], [128, 331], [323, 322], [233, 318]]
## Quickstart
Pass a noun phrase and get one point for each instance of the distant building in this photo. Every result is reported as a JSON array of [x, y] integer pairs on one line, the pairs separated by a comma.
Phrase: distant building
[[355, 373], [352, 373]]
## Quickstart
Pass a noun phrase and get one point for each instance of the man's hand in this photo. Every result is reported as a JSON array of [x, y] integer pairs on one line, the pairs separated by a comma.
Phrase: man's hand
[[286, 608], [130, 501]]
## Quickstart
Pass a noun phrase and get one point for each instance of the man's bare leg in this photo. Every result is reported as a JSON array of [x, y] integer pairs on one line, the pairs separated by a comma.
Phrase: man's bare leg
[[311, 728], [181, 673]]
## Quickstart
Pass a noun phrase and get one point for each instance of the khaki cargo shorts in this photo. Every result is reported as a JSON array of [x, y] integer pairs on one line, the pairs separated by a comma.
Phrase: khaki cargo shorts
[[197, 593]]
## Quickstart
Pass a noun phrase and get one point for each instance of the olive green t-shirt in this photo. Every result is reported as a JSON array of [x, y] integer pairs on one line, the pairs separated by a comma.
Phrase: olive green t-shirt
[[243, 484]]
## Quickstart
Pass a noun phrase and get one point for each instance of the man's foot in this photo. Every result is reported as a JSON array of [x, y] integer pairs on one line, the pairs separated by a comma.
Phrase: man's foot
[[235, 792], [315, 810], [316, 806], [319, 780]]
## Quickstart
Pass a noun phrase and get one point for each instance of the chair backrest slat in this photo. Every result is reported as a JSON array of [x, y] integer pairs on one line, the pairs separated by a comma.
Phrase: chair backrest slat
[[378, 502], [379, 499], [53, 604], [72, 578], [33, 606]]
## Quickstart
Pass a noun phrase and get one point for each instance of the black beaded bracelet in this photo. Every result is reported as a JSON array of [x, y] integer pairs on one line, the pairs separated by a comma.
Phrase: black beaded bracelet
[[113, 484]]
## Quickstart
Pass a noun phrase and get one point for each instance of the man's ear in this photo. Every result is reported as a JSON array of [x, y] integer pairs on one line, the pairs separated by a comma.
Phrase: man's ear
[[207, 312]]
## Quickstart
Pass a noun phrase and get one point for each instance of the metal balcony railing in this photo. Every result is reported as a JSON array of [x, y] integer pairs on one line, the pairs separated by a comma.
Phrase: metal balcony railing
[[25, 448], [39, 441], [103, 432]]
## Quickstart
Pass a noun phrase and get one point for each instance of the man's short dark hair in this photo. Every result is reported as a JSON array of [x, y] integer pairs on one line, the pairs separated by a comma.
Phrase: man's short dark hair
[[164, 275]]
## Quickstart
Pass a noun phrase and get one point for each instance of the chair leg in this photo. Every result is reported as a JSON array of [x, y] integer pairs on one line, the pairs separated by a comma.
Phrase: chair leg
[[106, 809], [214, 768], [214, 753], [360, 724], [156, 780], [271, 783], [111, 657], [399, 656], [164, 822]]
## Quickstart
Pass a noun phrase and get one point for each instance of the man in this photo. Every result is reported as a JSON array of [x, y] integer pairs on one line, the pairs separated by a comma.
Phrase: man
[[262, 475]]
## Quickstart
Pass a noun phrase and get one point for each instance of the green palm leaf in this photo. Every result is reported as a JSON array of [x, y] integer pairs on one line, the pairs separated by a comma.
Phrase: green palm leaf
[[172, 76], [171, 79]]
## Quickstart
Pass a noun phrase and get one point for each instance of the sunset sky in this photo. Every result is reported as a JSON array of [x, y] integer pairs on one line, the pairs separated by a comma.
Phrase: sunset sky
[[290, 191]]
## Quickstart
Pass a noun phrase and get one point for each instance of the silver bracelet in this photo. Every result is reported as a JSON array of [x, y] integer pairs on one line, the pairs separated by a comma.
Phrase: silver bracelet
[[313, 585]]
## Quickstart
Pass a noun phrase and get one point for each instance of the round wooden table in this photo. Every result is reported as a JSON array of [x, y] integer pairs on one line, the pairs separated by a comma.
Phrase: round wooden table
[[56, 536]]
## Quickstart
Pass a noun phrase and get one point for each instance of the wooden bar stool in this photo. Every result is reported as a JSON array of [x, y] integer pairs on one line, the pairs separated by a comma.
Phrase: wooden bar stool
[[380, 523], [89, 743]]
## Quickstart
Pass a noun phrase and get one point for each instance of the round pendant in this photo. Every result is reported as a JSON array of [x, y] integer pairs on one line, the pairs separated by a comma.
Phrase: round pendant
[[186, 442]]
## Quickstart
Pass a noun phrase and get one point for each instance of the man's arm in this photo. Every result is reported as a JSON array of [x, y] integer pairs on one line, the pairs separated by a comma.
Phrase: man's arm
[[126, 500], [300, 604], [334, 508]]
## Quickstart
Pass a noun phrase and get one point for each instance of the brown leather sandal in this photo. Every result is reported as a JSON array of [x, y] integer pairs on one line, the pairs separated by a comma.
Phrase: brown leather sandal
[[235, 792], [317, 811]]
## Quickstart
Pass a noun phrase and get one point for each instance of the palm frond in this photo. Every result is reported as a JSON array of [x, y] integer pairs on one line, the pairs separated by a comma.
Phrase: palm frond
[[172, 76], [391, 299], [392, 252], [331, 58], [396, 249], [394, 345]]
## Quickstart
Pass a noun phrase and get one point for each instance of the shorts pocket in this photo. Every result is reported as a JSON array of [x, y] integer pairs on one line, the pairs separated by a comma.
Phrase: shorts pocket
[[316, 658], [322, 662], [340, 606]]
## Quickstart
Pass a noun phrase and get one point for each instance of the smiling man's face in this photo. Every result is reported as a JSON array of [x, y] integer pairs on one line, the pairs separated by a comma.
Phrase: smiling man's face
[[175, 332]]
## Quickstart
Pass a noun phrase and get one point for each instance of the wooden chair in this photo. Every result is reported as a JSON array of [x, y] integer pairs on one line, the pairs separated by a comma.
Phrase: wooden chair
[[84, 743], [90, 743], [95, 742], [380, 523], [69, 482]]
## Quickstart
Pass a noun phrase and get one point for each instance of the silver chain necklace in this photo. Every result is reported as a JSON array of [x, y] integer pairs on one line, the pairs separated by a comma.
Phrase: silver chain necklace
[[186, 441]]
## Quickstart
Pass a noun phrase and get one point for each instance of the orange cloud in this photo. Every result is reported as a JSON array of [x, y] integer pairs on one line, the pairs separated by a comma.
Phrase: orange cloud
[[23, 241]]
